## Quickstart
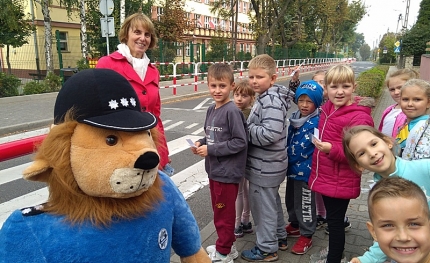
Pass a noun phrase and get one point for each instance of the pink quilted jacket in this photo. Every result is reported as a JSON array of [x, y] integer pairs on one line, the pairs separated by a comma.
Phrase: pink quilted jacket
[[400, 120], [331, 174]]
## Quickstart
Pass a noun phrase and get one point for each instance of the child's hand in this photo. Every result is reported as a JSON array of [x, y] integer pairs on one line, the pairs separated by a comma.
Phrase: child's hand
[[202, 150], [355, 260], [324, 147], [295, 77], [194, 149]]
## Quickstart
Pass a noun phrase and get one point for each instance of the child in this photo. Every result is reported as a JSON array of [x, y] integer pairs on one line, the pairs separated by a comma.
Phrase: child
[[393, 118], [319, 76], [244, 97], [267, 161], [224, 149], [403, 230], [331, 175], [300, 201], [414, 136], [367, 148]]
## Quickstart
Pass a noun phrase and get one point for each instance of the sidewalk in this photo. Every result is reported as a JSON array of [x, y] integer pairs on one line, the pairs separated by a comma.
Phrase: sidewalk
[[358, 238]]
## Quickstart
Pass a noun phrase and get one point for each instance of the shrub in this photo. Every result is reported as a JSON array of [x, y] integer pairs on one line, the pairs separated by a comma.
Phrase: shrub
[[34, 87], [52, 82], [9, 85], [82, 64], [371, 82]]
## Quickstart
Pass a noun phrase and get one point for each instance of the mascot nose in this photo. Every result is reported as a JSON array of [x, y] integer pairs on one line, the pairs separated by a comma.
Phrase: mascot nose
[[147, 161]]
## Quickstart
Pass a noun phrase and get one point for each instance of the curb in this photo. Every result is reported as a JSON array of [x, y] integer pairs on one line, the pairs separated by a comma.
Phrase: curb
[[25, 126]]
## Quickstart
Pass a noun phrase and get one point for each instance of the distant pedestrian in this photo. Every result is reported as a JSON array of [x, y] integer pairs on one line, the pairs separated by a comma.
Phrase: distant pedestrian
[[267, 158], [414, 137], [244, 97], [224, 148], [331, 175], [393, 118], [299, 199]]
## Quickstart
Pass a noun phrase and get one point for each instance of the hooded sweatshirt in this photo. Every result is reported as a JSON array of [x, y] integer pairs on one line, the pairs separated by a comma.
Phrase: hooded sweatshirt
[[267, 160], [331, 174]]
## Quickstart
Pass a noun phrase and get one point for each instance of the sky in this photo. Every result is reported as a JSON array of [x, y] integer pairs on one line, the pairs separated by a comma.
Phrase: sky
[[382, 15]]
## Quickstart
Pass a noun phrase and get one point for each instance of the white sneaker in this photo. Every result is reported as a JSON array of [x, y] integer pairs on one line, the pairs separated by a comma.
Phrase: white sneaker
[[320, 255], [233, 253], [216, 257]]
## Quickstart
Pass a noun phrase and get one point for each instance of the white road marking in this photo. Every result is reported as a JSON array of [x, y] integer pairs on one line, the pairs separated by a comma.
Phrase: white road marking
[[198, 131], [173, 125], [191, 126], [201, 104]]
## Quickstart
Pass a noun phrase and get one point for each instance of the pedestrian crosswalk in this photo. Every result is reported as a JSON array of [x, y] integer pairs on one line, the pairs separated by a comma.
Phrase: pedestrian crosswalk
[[189, 180]]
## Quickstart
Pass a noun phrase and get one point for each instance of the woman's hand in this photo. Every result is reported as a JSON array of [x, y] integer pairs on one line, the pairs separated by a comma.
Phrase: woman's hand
[[194, 149]]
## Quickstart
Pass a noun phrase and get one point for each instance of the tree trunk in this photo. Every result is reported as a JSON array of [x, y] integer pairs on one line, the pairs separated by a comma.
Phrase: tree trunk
[[9, 69], [84, 41], [122, 12], [48, 35]]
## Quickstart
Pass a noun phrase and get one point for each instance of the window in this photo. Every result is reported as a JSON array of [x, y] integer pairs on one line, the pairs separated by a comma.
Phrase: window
[[215, 22], [207, 2], [244, 6], [187, 50], [223, 24], [207, 20], [244, 28], [231, 26], [241, 47], [63, 41], [247, 48], [197, 20], [160, 12], [179, 49]]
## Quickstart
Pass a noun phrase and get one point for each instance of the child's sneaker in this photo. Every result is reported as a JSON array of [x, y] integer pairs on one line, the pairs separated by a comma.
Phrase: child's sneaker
[[282, 244], [346, 224], [292, 231], [302, 245], [233, 252], [247, 228], [217, 257], [256, 254], [320, 255], [238, 232], [321, 222]]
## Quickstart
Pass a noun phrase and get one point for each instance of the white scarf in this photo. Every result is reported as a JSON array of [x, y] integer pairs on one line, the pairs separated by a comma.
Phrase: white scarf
[[140, 65]]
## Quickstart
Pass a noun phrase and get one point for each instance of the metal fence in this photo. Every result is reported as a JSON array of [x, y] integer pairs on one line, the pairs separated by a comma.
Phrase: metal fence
[[29, 61]]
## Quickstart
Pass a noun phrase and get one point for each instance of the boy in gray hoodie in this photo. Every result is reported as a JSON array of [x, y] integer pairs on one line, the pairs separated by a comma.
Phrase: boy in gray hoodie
[[267, 160]]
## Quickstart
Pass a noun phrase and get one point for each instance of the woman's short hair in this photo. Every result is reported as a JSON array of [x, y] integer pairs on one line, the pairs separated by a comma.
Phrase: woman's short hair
[[134, 21]]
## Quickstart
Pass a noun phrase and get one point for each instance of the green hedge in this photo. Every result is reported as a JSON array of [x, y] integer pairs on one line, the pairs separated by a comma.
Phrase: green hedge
[[9, 85], [51, 83], [371, 82]]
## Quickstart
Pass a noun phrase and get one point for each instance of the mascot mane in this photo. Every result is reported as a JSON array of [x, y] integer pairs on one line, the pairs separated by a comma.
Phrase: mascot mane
[[65, 196]]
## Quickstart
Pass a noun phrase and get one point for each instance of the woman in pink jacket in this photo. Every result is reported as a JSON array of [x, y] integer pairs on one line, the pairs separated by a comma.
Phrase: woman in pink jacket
[[137, 35], [331, 175]]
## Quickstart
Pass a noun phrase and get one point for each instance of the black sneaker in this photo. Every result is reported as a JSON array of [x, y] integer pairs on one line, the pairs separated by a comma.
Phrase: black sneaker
[[247, 228], [238, 232], [321, 222], [282, 244], [346, 224]]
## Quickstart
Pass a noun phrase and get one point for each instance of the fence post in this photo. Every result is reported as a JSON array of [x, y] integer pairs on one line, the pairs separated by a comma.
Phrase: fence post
[[174, 78]]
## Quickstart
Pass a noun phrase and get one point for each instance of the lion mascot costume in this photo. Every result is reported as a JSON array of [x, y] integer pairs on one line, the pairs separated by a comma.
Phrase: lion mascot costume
[[108, 202]]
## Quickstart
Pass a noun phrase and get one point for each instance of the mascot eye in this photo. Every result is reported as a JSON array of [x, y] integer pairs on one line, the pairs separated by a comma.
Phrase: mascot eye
[[149, 133], [111, 140]]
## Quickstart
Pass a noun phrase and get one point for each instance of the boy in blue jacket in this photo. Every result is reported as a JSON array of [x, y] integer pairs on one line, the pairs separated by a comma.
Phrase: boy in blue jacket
[[299, 199]]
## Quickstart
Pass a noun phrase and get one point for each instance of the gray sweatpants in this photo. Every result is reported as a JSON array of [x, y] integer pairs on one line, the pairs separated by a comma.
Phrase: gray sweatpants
[[300, 202], [266, 209]]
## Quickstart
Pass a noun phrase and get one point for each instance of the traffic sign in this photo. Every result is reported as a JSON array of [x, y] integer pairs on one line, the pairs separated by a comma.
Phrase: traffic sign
[[397, 50], [106, 7], [397, 44]]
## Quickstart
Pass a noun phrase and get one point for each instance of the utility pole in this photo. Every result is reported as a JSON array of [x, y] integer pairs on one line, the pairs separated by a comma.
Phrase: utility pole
[[404, 28]]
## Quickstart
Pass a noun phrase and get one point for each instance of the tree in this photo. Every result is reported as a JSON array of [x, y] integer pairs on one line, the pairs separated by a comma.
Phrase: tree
[[414, 40], [387, 43], [173, 23], [16, 27], [365, 52], [358, 42]]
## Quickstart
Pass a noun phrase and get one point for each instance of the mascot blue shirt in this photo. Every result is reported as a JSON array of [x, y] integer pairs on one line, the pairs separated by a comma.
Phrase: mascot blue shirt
[[43, 237]]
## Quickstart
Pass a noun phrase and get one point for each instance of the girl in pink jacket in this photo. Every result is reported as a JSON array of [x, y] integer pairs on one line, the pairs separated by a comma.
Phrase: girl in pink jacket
[[393, 118], [331, 175]]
